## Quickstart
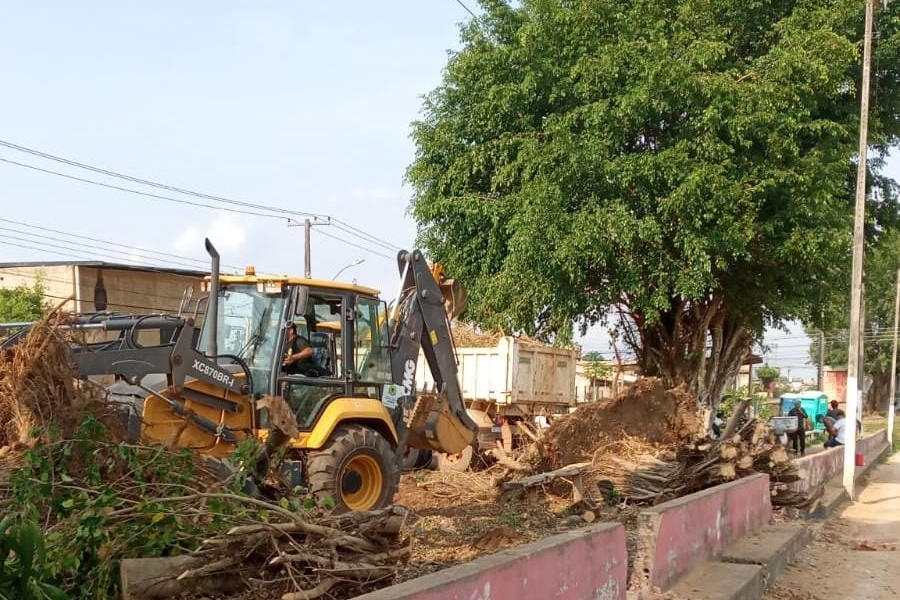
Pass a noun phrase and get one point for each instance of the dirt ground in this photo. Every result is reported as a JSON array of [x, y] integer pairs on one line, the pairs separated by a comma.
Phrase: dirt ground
[[457, 517], [856, 554]]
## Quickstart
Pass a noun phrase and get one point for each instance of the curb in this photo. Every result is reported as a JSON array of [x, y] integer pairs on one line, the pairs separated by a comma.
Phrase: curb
[[773, 549], [746, 567], [722, 581]]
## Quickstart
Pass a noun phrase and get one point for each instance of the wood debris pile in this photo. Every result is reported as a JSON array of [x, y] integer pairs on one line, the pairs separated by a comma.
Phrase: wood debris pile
[[650, 445], [292, 557], [36, 384], [466, 335]]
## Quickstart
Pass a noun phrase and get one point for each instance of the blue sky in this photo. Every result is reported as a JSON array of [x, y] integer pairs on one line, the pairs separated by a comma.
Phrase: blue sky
[[302, 105]]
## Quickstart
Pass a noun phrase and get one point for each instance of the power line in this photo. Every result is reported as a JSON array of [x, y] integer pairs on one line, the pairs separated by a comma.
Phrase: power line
[[138, 192], [40, 239], [343, 226], [109, 243], [192, 203], [272, 209], [334, 237], [154, 184], [468, 10]]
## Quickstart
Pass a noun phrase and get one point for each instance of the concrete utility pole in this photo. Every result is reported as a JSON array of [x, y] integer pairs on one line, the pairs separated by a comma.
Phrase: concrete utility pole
[[820, 375], [308, 224], [890, 424], [853, 374], [307, 266]]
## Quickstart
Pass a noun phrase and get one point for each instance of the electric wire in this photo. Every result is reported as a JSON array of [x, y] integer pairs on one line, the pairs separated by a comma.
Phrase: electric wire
[[467, 9], [273, 209], [349, 243], [42, 239], [154, 184], [137, 192], [200, 204], [109, 243]]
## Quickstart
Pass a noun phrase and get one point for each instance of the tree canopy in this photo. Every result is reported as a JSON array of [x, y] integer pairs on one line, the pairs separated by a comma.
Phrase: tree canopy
[[684, 167], [882, 261], [21, 304]]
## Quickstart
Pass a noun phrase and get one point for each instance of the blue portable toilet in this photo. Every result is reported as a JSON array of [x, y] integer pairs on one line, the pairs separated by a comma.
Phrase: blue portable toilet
[[813, 402]]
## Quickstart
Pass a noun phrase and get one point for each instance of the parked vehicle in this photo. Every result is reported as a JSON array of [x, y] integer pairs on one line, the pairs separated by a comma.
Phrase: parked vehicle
[[511, 390]]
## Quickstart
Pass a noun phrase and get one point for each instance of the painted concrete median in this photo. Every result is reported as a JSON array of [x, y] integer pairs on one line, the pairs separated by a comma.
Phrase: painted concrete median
[[819, 468], [676, 536], [584, 564]]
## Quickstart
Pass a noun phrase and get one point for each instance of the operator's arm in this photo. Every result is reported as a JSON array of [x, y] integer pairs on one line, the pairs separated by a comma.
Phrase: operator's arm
[[300, 350]]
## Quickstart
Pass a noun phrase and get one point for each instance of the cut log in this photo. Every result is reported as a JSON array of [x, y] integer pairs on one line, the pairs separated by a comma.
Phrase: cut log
[[726, 471], [156, 579], [779, 455], [739, 411], [571, 473]]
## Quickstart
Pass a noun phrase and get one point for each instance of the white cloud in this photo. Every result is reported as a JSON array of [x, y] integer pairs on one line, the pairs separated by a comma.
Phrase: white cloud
[[226, 231]]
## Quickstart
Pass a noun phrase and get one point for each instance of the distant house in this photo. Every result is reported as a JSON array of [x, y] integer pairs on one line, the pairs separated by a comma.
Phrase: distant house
[[745, 374], [589, 389], [91, 286]]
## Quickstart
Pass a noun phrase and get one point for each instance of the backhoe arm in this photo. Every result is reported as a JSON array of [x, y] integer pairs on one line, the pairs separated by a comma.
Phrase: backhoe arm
[[437, 422]]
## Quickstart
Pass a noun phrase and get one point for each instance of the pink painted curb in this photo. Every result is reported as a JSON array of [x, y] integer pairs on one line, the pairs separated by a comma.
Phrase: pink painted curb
[[584, 564], [676, 536]]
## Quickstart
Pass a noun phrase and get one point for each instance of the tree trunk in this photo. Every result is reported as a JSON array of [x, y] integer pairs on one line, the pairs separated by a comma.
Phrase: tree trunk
[[878, 400], [694, 343]]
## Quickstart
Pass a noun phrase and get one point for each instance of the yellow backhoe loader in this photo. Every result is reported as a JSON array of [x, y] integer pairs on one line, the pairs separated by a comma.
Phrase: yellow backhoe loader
[[357, 412]]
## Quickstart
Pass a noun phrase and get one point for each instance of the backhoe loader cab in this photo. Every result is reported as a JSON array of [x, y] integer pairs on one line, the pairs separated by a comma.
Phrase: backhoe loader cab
[[348, 441]]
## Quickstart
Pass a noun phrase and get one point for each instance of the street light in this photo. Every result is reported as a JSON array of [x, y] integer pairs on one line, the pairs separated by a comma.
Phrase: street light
[[344, 268]]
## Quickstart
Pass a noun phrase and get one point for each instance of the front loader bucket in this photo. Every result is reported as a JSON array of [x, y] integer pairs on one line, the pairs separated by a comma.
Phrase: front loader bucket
[[434, 425]]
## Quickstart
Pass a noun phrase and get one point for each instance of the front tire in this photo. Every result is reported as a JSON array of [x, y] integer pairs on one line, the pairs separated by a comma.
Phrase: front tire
[[357, 468]]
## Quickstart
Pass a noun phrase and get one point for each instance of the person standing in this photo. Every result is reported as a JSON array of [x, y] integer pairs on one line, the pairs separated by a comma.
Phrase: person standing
[[798, 438], [833, 411]]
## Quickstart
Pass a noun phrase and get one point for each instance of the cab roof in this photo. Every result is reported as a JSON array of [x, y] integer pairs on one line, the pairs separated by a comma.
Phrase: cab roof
[[340, 286]]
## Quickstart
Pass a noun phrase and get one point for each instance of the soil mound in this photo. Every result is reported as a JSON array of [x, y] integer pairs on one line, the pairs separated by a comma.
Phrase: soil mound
[[646, 412]]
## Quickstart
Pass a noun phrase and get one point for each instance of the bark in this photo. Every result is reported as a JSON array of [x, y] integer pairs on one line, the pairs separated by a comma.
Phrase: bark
[[696, 343], [878, 397]]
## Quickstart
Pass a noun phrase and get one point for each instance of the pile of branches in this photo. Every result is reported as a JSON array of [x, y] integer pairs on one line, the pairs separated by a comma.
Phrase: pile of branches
[[36, 384], [288, 557], [651, 474]]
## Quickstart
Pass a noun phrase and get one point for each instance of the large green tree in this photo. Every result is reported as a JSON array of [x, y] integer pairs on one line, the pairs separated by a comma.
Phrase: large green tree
[[682, 168]]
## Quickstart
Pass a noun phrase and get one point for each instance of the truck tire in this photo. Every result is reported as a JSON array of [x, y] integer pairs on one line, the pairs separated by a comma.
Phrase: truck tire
[[357, 469], [416, 458], [455, 462]]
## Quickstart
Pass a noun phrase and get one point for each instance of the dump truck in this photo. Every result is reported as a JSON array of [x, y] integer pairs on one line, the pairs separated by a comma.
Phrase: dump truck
[[211, 388], [511, 390]]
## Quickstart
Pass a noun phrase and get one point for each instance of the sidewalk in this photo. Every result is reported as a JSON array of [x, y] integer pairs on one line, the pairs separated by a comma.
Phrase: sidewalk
[[856, 553]]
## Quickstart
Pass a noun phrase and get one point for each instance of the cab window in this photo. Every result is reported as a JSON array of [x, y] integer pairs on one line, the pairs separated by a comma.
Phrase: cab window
[[373, 362]]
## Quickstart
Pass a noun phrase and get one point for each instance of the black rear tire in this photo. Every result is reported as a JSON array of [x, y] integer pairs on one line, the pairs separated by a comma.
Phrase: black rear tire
[[357, 469]]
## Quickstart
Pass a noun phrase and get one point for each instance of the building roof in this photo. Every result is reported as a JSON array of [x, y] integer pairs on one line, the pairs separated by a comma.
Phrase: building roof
[[101, 264]]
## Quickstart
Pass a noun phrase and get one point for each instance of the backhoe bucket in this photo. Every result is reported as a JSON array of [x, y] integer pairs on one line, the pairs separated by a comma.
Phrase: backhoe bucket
[[434, 425], [456, 296]]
